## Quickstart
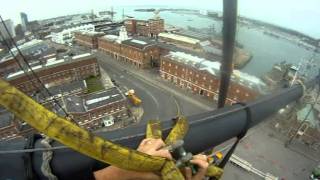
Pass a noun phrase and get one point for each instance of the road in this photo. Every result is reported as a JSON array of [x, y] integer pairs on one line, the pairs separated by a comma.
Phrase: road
[[157, 103], [258, 148]]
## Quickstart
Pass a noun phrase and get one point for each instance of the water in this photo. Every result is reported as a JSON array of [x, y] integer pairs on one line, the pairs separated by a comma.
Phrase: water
[[266, 50]]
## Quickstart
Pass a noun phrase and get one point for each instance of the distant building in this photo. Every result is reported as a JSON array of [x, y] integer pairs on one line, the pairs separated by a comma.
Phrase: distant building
[[10, 26], [66, 35], [180, 40], [19, 31], [141, 53], [56, 72], [98, 109], [201, 76], [149, 28], [32, 50], [89, 39], [24, 21]]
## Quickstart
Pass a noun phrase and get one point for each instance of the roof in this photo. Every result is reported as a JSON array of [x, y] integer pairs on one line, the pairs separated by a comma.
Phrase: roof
[[102, 98], [214, 69], [74, 103], [71, 87], [311, 118], [192, 34], [5, 119], [178, 37], [50, 64], [82, 104], [91, 33], [138, 43]]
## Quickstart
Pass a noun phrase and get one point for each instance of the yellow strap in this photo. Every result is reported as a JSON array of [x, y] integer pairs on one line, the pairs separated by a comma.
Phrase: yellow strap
[[73, 136], [154, 129], [84, 142], [214, 171], [170, 171], [178, 131]]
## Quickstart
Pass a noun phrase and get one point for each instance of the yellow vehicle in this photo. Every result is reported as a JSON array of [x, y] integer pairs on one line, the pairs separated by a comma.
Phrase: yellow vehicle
[[133, 98]]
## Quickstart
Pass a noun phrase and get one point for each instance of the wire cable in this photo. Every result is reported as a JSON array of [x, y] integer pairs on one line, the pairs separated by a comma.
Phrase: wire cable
[[32, 150], [33, 73]]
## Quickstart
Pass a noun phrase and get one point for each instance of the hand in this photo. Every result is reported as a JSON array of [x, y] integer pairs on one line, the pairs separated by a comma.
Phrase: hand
[[154, 147], [202, 162], [148, 146]]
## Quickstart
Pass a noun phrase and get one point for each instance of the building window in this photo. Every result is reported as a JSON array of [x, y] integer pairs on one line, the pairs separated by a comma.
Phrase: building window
[[176, 67], [182, 69], [197, 75], [238, 91], [247, 95], [204, 78], [169, 64], [163, 62], [190, 72]]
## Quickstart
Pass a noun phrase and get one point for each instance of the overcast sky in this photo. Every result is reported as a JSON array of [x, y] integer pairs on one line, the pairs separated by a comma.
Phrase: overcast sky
[[296, 14]]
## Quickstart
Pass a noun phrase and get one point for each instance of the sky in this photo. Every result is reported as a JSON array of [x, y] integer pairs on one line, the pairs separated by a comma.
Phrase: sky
[[299, 15]]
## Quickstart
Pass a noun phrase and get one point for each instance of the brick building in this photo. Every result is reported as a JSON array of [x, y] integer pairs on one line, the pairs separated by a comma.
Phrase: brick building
[[202, 77], [180, 40], [89, 39], [12, 128], [149, 28], [8, 65], [139, 52], [56, 72], [94, 110]]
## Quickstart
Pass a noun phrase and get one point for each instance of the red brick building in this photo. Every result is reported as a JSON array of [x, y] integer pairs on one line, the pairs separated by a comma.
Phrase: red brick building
[[202, 77], [149, 28], [56, 72], [141, 53], [8, 65], [12, 128], [93, 110], [89, 39]]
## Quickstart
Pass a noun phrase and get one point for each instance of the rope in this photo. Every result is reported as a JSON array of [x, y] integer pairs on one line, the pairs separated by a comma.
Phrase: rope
[[239, 137], [46, 158]]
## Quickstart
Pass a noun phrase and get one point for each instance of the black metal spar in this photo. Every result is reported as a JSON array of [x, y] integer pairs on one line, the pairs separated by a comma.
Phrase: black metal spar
[[207, 130]]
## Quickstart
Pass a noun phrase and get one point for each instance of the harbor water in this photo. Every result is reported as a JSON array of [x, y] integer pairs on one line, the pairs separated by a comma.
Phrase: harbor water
[[266, 50]]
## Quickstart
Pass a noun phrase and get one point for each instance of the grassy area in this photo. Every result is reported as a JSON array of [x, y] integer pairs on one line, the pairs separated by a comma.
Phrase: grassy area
[[94, 84]]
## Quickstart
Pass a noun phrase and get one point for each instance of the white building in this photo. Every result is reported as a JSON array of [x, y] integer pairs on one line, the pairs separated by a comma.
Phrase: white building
[[66, 36], [10, 26]]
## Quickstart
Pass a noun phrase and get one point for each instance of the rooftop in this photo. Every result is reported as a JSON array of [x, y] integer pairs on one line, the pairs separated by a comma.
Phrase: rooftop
[[214, 69], [138, 43], [181, 38], [51, 63], [91, 101], [312, 118], [102, 98], [5, 119], [92, 33], [71, 87]]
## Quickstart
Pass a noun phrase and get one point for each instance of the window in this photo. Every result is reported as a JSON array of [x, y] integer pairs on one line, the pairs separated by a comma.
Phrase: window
[[176, 67], [169, 64], [238, 91]]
